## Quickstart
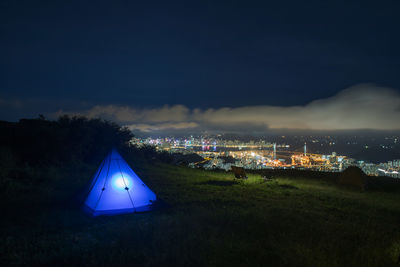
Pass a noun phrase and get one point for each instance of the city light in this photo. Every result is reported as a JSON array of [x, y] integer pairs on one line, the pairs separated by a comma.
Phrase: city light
[[219, 153]]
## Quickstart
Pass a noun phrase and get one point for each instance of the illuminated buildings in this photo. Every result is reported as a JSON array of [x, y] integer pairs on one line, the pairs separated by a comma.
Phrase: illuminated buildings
[[222, 154]]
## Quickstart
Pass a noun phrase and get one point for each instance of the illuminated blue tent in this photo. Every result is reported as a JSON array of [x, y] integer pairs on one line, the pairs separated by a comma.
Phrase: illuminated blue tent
[[117, 189]]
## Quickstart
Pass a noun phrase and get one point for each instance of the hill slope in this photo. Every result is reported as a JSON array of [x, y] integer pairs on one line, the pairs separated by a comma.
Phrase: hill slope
[[209, 219]]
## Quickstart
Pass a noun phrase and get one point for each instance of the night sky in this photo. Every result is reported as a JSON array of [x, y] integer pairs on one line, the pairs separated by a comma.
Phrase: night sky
[[121, 56]]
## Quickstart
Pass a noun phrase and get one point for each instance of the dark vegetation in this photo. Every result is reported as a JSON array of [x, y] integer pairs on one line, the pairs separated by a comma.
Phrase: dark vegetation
[[40, 142], [31, 147], [185, 159], [352, 177], [298, 218]]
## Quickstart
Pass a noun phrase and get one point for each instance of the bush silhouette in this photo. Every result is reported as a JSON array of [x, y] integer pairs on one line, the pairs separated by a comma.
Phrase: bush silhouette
[[43, 142], [353, 176]]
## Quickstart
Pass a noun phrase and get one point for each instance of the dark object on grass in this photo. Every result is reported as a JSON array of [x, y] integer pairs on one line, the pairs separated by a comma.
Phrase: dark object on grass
[[288, 186], [239, 172], [267, 178], [354, 177]]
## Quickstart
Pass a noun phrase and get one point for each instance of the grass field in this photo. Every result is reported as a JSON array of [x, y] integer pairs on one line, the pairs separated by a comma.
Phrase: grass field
[[209, 218]]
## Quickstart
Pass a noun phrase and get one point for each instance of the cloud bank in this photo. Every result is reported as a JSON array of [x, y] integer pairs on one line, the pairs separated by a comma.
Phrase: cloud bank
[[359, 107]]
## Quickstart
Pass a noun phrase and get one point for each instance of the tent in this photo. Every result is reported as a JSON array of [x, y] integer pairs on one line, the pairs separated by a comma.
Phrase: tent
[[117, 189]]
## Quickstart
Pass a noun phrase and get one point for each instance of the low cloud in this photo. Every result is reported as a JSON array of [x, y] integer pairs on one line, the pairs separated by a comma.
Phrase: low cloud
[[162, 126], [359, 107], [126, 114]]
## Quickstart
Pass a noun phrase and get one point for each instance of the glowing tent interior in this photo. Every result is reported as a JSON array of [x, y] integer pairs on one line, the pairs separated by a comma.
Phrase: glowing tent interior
[[117, 189]]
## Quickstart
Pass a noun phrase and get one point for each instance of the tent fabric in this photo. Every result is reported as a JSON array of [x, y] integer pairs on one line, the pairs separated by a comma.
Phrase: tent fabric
[[116, 189]]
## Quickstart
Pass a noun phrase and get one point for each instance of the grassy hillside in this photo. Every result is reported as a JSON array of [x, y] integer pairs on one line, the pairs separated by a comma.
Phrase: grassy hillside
[[209, 219]]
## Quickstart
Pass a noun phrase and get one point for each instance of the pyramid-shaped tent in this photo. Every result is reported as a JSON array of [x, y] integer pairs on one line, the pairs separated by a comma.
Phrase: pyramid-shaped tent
[[117, 189]]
